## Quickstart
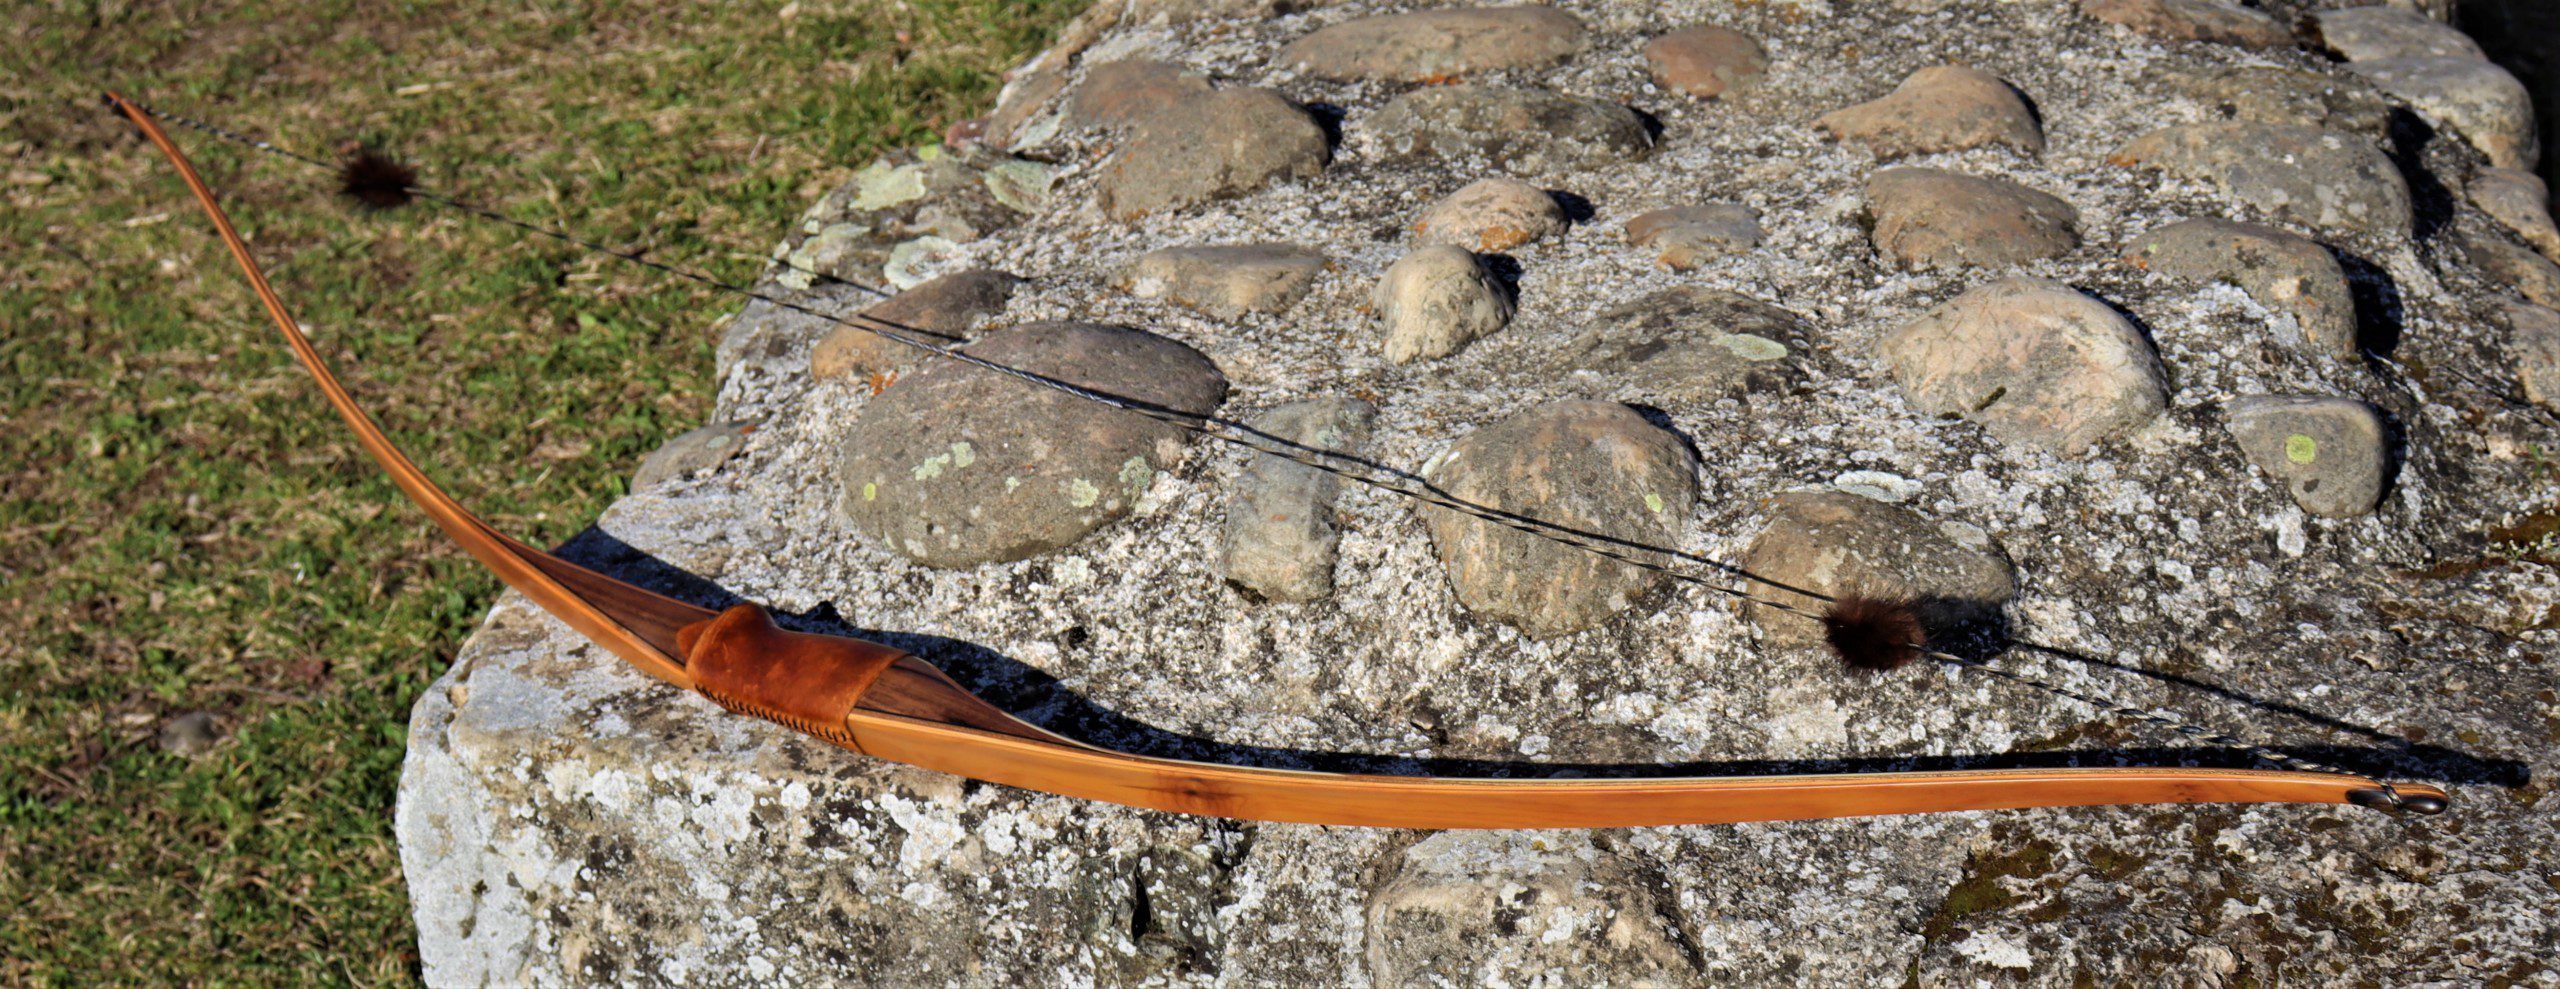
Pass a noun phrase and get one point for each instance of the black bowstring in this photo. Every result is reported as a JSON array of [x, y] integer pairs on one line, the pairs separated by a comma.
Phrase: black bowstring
[[1357, 469]]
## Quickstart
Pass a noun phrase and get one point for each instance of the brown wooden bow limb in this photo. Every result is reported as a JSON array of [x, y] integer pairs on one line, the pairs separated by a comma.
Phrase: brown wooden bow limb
[[878, 701]]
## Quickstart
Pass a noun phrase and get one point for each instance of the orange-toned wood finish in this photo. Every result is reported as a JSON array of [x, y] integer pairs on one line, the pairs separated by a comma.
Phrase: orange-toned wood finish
[[877, 701], [748, 664]]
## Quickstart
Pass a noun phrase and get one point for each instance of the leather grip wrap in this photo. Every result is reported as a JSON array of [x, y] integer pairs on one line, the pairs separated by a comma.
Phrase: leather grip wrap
[[742, 661]]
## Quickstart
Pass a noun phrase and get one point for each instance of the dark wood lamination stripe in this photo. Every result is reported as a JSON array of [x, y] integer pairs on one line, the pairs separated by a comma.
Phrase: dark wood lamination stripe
[[654, 617]]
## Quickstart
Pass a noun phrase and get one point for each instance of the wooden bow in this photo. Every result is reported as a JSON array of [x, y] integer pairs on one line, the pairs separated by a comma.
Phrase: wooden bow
[[883, 703]]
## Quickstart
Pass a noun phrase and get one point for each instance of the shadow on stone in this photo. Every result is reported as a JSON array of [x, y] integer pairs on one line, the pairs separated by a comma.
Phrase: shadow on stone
[[2385, 753], [2379, 310], [1329, 117], [1662, 420], [1653, 128], [2431, 205], [1507, 270], [2034, 112], [1973, 629], [1039, 698], [2395, 452], [1577, 210]]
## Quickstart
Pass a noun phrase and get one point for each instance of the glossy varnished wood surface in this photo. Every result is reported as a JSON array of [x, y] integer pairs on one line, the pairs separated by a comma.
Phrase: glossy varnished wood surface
[[1440, 802]]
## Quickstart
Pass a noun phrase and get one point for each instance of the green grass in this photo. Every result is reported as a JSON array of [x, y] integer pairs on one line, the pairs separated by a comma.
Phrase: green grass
[[184, 528]]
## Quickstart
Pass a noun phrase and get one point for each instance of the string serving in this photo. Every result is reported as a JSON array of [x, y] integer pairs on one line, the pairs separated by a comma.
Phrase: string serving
[[1866, 633]]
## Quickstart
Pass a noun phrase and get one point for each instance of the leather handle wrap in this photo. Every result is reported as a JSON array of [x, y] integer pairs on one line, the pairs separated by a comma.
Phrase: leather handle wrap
[[742, 661]]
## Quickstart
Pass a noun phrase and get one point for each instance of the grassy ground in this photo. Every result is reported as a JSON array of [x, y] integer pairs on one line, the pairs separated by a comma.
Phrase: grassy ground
[[183, 528]]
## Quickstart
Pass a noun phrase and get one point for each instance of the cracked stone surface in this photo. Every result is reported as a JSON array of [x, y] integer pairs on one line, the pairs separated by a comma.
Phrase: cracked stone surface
[[563, 820]]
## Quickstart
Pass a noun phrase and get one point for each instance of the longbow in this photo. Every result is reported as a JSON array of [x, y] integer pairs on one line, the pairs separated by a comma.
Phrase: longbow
[[880, 702]]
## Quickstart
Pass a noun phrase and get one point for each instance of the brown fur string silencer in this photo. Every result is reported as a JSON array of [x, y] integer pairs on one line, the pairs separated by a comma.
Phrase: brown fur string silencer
[[1873, 634], [374, 180]]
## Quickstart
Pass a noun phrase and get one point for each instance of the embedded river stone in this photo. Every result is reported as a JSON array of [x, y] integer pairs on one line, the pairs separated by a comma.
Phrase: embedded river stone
[[1227, 279], [1932, 218], [2035, 362], [2513, 265], [1491, 215], [1526, 132], [1438, 45], [2280, 269], [2519, 201], [2478, 100], [2192, 20], [2330, 454], [955, 465], [1280, 534], [1706, 61], [1218, 146], [1025, 112], [942, 311], [1436, 299], [2270, 94], [2301, 174], [2533, 337], [1684, 237], [1836, 543], [692, 451], [1118, 95], [2365, 34], [1939, 108], [1687, 346], [1589, 466]]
